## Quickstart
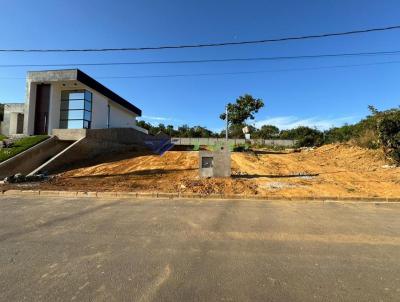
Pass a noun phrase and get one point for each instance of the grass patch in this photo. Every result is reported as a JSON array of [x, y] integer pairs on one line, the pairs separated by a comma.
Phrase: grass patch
[[2, 137], [20, 146]]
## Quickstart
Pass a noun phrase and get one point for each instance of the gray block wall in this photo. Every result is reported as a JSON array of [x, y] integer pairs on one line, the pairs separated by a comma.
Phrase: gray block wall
[[233, 141], [93, 142]]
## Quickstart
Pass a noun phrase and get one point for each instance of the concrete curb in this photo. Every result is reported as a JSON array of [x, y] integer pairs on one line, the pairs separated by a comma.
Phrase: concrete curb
[[147, 195]]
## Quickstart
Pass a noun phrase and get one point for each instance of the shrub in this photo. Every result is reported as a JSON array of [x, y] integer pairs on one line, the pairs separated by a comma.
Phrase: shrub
[[388, 127], [305, 136]]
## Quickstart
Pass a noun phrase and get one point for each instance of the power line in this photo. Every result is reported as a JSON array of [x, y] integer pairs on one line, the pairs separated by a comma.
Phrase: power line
[[219, 44], [249, 72], [279, 58], [232, 73]]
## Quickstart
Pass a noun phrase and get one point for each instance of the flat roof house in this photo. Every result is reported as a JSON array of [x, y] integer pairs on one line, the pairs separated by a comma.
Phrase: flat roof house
[[70, 99]]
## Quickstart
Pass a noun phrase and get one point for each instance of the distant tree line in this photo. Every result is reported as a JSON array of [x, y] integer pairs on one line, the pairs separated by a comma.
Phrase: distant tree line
[[379, 129], [309, 136]]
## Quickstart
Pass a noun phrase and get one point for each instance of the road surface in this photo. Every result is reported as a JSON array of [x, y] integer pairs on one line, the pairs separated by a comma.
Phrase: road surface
[[60, 249]]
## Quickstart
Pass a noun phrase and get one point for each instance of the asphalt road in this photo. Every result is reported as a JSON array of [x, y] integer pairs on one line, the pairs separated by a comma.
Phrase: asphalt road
[[55, 249]]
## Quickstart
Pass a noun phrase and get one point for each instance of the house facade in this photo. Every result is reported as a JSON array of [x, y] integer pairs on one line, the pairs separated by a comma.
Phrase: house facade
[[71, 99]]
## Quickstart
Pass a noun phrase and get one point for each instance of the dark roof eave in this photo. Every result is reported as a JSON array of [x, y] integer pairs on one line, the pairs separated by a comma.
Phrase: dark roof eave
[[92, 83]]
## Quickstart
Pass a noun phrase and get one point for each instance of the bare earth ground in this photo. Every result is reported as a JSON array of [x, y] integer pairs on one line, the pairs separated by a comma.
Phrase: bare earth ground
[[343, 171]]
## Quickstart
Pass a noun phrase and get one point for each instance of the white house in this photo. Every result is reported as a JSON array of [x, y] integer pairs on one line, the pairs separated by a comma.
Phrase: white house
[[70, 99]]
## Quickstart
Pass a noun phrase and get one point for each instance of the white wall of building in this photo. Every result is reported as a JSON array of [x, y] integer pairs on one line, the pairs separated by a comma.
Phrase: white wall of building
[[99, 110], [121, 117], [30, 102], [54, 106]]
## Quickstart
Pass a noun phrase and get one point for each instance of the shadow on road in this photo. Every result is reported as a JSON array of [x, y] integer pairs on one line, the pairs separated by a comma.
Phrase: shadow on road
[[56, 221]]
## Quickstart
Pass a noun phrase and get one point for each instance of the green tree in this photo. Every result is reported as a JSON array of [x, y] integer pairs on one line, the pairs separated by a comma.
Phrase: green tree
[[306, 136], [144, 125], [199, 131], [388, 127], [244, 108], [184, 131], [170, 130], [268, 131]]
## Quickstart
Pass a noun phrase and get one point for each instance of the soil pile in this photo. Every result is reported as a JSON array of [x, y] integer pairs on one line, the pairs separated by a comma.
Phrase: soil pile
[[329, 171]]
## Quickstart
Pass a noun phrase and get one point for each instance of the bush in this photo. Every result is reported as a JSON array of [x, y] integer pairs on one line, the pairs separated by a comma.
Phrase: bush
[[241, 148], [339, 134], [305, 136], [368, 138], [388, 127]]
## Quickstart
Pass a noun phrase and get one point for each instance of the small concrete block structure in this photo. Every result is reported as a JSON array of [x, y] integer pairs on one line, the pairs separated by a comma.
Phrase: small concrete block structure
[[215, 163], [13, 120]]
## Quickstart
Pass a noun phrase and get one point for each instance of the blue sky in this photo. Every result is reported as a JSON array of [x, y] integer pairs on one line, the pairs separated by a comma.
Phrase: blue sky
[[321, 98]]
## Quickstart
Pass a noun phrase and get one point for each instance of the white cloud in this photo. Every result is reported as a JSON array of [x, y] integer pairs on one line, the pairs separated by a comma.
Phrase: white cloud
[[157, 118], [289, 122]]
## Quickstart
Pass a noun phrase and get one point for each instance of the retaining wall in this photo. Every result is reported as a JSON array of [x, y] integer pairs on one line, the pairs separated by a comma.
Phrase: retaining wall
[[25, 162], [212, 141], [92, 143]]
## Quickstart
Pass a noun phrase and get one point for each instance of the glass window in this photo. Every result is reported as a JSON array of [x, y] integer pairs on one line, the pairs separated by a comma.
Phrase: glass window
[[76, 109], [75, 124], [88, 106], [87, 116], [72, 115], [76, 96], [86, 124], [73, 104], [88, 96]]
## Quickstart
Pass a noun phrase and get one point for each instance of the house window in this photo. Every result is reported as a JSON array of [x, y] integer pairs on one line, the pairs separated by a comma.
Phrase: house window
[[76, 109]]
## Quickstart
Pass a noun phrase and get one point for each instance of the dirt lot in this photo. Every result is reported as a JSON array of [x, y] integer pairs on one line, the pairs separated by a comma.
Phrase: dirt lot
[[343, 170]]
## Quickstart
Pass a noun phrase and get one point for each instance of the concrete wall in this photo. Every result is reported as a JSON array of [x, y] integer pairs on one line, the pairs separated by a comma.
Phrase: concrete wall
[[220, 163], [94, 143], [32, 158], [115, 135], [30, 105], [13, 118], [69, 134], [55, 104], [212, 141]]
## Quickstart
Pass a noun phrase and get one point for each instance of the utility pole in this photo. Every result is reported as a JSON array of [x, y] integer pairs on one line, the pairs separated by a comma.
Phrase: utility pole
[[226, 118]]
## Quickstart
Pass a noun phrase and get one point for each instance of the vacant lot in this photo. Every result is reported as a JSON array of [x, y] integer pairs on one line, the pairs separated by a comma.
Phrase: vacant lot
[[343, 170]]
